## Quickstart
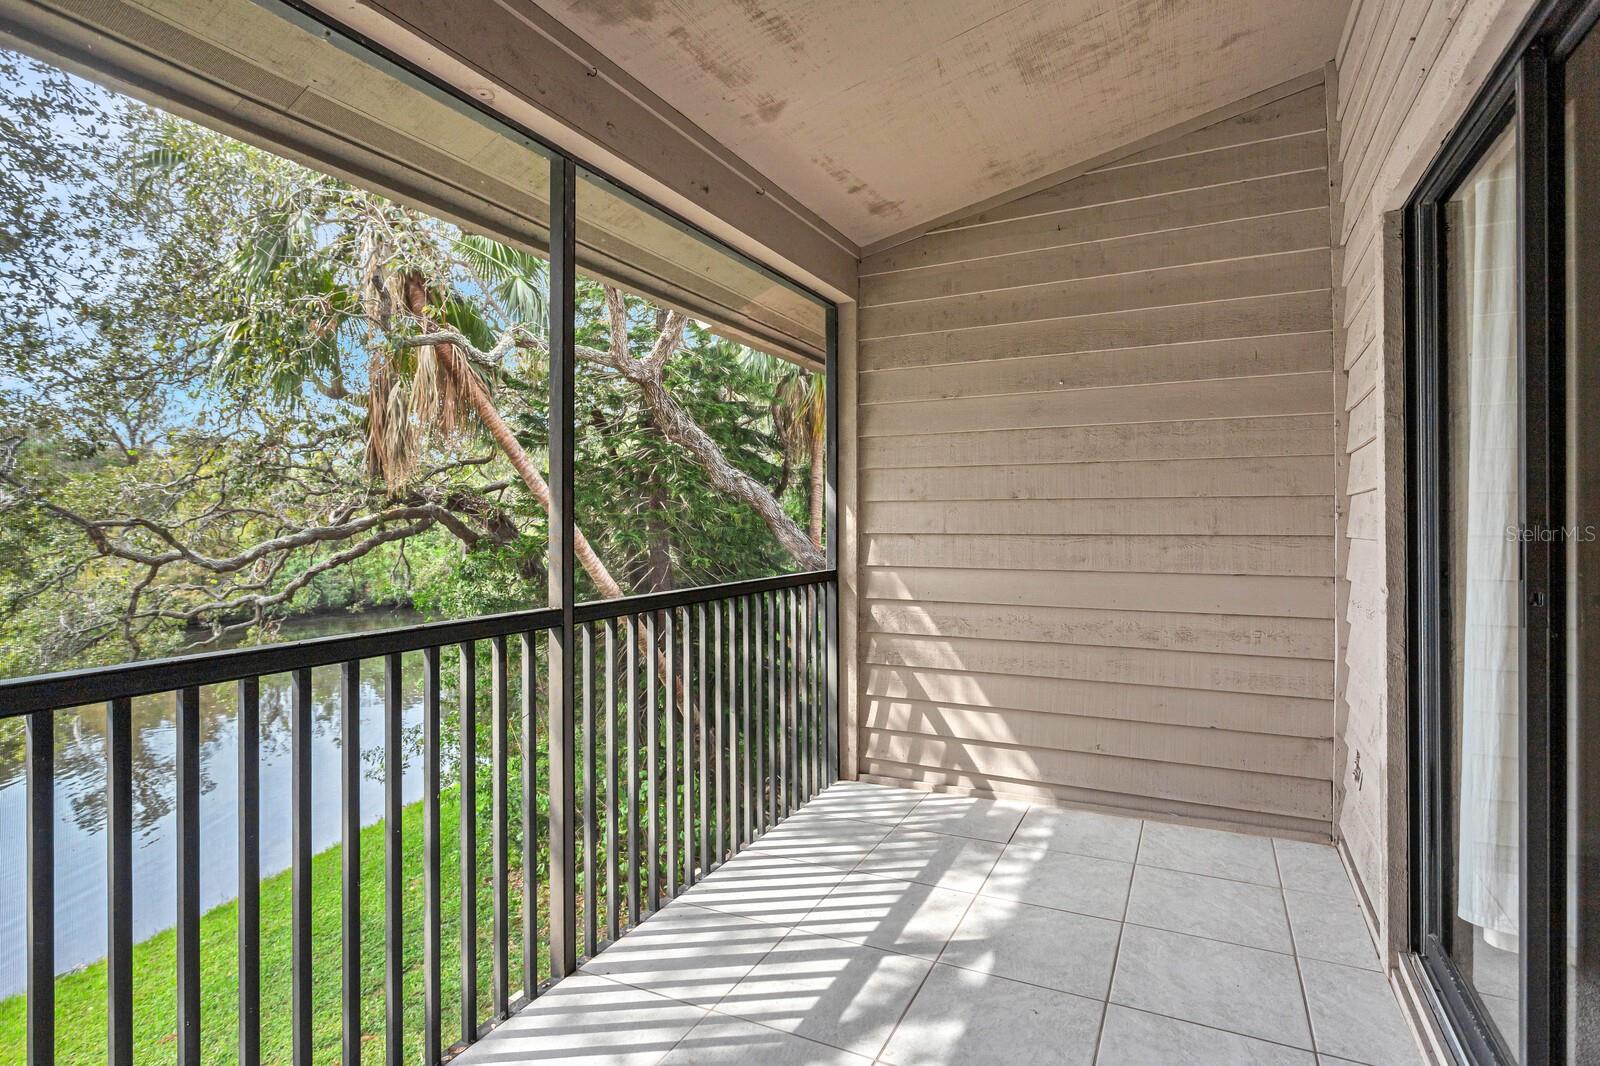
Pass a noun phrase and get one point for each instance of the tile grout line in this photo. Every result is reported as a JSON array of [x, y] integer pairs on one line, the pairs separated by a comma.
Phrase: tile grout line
[[895, 1028], [791, 929], [971, 899], [1116, 952], [712, 1008], [1305, 998]]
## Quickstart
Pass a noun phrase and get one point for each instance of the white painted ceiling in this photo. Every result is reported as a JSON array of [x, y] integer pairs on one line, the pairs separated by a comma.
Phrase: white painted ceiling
[[881, 115]]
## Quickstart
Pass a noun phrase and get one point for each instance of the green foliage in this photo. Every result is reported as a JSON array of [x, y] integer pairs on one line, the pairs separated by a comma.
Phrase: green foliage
[[225, 420]]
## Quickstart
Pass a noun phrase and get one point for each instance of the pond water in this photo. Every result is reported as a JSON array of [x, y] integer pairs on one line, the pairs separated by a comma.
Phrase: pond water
[[80, 838]]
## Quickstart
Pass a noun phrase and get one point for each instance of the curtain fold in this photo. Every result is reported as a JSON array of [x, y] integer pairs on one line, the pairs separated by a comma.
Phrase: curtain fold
[[1487, 855]]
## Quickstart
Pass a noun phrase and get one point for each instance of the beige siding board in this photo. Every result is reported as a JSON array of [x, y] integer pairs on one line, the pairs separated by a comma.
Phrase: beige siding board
[[1223, 749], [1213, 671], [1359, 244], [1301, 112], [1239, 711], [1365, 464], [1242, 200], [1375, 77], [1251, 316], [1299, 638], [1205, 282], [1356, 47], [1363, 423], [1363, 375], [1377, 133], [1366, 517], [1231, 357], [1292, 476], [1287, 597], [1280, 794], [1306, 151], [1273, 394], [1355, 275], [1283, 516], [1205, 242], [1244, 555], [1205, 439], [1362, 327]]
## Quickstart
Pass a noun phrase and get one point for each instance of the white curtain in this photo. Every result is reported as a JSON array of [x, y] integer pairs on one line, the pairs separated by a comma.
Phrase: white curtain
[[1486, 886]]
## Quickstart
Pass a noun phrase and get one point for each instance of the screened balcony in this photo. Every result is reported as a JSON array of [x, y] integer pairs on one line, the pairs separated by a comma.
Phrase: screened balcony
[[678, 531]]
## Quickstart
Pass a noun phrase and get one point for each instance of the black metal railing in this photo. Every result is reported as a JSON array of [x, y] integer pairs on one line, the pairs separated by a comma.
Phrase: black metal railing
[[699, 719]]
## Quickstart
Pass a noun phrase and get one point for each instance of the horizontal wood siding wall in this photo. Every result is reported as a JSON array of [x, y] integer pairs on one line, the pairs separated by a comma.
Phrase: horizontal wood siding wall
[[1407, 69], [1097, 486]]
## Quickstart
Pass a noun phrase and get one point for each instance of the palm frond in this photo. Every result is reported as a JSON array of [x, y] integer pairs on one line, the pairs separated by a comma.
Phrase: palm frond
[[519, 280]]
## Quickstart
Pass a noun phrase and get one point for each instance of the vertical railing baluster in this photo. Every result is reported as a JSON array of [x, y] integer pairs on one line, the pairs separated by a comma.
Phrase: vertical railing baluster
[[500, 798], [188, 831], [611, 779], [797, 705], [779, 745], [394, 1033], [797, 791], [668, 619], [760, 645], [775, 680], [808, 734], [735, 735], [813, 634], [249, 909], [350, 852], [468, 826], [791, 727], [300, 891], [694, 620], [724, 737], [119, 881], [652, 760], [784, 709], [831, 722], [747, 699], [687, 746], [432, 921], [41, 759], [632, 659], [586, 666], [703, 738], [530, 818], [796, 717], [804, 692], [802, 724]]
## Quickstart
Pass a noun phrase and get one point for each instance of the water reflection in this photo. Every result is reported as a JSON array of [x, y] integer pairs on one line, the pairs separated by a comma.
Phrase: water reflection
[[80, 754]]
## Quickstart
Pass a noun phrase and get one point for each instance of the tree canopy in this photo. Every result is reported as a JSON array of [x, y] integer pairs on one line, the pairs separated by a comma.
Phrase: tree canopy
[[234, 389]]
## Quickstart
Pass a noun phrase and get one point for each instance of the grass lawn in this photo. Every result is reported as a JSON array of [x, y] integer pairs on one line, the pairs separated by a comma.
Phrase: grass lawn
[[81, 995]]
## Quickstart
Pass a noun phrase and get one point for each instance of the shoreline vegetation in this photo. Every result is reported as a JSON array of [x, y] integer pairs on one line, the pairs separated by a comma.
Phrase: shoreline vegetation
[[81, 994]]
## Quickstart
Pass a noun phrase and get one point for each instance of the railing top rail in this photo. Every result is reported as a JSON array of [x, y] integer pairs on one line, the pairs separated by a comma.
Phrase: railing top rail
[[97, 684], [598, 610]]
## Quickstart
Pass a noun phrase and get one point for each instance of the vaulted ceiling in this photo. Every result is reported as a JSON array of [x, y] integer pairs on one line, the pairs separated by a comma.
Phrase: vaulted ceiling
[[882, 115]]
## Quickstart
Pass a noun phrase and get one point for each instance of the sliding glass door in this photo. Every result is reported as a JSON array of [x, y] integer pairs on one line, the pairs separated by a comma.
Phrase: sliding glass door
[[1483, 643], [1504, 467]]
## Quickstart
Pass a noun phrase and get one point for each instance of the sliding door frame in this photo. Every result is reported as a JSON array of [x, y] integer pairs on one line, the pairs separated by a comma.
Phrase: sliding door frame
[[1523, 94]]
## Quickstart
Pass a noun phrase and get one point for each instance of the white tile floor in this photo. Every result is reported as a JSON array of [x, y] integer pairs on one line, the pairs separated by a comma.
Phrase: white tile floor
[[890, 926]]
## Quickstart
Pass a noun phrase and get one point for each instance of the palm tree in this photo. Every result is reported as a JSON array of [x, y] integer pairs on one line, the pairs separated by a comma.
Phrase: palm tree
[[329, 284], [799, 416]]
